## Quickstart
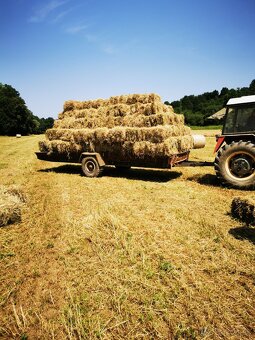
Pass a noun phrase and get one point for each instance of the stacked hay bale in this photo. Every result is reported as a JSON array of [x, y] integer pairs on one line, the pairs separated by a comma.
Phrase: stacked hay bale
[[11, 200], [243, 209], [131, 125]]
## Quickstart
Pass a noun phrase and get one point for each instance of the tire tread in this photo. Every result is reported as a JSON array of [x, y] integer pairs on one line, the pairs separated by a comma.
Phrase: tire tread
[[219, 160]]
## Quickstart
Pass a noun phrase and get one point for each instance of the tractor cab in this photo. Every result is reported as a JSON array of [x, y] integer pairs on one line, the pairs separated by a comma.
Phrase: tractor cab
[[240, 117]]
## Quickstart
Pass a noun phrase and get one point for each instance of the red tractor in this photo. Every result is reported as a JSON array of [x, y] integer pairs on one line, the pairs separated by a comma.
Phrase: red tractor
[[235, 159]]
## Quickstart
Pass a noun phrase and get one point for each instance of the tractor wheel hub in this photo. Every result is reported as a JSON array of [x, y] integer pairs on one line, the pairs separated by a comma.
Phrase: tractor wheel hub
[[241, 167]]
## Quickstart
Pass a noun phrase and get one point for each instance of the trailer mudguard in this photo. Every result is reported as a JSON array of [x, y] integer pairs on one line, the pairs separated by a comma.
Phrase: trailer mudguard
[[96, 155]]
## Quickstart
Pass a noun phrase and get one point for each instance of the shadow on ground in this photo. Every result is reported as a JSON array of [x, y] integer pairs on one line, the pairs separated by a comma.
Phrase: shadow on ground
[[142, 174], [134, 173], [207, 179], [64, 169], [243, 233], [212, 180]]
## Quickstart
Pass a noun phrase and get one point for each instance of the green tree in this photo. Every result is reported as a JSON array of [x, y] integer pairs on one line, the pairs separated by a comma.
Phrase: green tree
[[196, 109], [252, 87], [45, 123], [15, 117]]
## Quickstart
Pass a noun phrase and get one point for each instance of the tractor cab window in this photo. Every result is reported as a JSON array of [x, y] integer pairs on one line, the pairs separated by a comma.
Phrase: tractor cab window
[[229, 120], [240, 119]]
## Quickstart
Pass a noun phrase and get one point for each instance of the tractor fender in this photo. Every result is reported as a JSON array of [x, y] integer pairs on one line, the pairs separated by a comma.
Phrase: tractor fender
[[220, 141]]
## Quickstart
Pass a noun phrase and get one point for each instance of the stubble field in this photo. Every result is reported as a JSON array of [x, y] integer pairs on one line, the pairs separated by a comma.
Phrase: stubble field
[[147, 254]]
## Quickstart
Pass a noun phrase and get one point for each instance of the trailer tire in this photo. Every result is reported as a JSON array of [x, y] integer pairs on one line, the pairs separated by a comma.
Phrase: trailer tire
[[235, 164], [90, 167]]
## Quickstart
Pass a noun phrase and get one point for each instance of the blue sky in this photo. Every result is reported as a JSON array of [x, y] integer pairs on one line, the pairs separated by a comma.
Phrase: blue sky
[[56, 50]]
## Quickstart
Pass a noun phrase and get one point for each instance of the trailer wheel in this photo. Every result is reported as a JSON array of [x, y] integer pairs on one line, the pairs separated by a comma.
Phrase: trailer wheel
[[90, 167], [235, 164]]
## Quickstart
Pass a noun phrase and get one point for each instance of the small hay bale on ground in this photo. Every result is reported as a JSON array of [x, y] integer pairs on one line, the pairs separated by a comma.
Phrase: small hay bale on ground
[[243, 209], [11, 201]]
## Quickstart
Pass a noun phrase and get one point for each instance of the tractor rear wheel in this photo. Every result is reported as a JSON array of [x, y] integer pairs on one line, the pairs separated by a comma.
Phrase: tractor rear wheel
[[90, 167], [235, 164]]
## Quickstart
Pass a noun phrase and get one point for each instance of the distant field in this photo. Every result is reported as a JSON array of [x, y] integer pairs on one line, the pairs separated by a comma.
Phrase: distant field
[[208, 127], [148, 254], [208, 133]]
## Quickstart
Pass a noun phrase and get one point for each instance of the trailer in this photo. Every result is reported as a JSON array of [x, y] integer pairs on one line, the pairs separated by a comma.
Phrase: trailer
[[93, 163], [235, 151]]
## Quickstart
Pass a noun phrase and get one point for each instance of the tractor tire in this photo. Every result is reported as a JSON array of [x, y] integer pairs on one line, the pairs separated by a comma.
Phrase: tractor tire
[[90, 167], [235, 165]]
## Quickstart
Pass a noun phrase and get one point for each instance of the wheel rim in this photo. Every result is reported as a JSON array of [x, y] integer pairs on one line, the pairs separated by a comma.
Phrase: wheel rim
[[90, 167], [241, 166]]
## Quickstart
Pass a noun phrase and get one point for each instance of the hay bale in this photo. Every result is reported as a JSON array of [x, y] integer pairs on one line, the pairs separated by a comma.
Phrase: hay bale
[[243, 209], [153, 120], [60, 147], [11, 200], [169, 147], [139, 125], [117, 110], [16, 191], [134, 120], [143, 142], [129, 99], [155, 134]]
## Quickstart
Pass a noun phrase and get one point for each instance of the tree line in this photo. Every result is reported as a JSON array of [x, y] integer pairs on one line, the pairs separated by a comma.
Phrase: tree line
[[197, 109], [16, 118]]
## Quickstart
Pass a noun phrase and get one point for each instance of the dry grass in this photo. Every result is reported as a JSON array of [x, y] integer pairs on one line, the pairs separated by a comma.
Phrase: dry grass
[[143, 255]]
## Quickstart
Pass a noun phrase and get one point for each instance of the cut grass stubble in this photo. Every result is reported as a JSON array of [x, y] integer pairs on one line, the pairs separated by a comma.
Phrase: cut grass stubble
[[116, 257]]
